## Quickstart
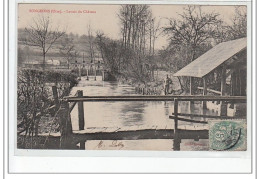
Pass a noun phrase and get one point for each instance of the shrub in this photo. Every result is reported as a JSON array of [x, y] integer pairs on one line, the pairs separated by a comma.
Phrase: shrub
[[35, 100]]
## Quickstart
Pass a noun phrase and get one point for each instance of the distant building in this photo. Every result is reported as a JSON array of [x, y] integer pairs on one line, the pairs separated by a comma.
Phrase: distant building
[[31, 62], [53, 62]]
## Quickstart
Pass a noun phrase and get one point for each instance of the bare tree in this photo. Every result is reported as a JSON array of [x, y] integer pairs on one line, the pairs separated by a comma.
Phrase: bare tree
[[194, 28], [139, 32], [190, 35], [135, 25], [67, 50], [41, 35], [155, 32], [91, 43], [238, 28]]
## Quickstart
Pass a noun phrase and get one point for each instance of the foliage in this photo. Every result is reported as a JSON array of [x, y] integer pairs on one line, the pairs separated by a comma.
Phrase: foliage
[[111, 52], [190, 36], [238, 28], [136, 21], [193, 33], [193, 30], [124, 62], [139, 30], [35, 100]]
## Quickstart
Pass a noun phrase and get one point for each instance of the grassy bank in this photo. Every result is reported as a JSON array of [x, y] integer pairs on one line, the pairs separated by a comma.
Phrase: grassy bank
[[154, 86]]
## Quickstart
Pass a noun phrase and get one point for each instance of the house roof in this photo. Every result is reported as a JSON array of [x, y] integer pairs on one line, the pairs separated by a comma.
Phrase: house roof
[[213, 58]]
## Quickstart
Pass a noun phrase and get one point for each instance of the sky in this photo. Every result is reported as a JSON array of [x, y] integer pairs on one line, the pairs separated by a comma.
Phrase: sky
[[75, 18]]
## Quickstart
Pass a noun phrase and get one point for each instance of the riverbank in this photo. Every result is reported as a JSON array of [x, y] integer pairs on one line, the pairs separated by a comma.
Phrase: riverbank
[[154, 87]]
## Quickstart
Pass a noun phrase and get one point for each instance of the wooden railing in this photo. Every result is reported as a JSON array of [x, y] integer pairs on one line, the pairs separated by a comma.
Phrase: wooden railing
[[155, 98], [211, 90], [178, 134]]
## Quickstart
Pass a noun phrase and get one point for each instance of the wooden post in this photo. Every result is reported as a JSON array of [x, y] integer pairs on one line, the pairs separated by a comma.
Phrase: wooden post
[[191, 93], [205, 91], [81, 111], [55, 96], [95, 73], [103, 75], [81, 117], [191, 85], [239, 82], [233, 83], [223, 81], [177, 140], [223, 105], [79, 72], [87, 72], [65, 127], [175, 113]]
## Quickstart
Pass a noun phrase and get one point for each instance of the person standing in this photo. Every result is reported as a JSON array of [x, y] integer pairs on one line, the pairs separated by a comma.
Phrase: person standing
[[167, 81]]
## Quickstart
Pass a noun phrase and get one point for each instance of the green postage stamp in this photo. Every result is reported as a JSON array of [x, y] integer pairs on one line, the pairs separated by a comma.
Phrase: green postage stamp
[[228, 135]]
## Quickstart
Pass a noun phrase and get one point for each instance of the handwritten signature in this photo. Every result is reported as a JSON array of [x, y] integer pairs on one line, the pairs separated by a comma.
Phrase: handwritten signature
[[114, 143], [193, 144]]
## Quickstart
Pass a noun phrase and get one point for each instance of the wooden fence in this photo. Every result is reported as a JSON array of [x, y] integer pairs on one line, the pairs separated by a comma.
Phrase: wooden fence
[[69, 139]]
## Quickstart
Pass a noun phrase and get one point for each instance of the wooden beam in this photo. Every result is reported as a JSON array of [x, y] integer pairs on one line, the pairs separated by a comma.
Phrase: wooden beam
[[126, 135], [205, 89], [95, 72], [72, 105], [223, 81], [223, 105], [177, 140], [210, 90], [103, 75], [87, 73], [223, 108], [55, 96], [187, 120], [156, 98], [209, 116], [81, 111], [81, 118], [65, 125], [191, 85], [176, 114], [146, 134], [53, 141], [191, 92], [233, 83], [194, 134], [65, 121], [205, 92], [240, 82]]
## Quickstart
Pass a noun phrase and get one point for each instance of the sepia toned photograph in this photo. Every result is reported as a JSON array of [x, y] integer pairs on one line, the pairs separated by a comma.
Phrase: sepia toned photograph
[[139, 77]]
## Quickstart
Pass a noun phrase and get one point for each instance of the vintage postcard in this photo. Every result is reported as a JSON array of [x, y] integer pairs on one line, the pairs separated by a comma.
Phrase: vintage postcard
[[138, 77]]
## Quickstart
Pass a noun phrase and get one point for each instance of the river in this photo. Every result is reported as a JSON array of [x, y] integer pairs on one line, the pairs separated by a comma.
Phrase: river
[[121, 114]]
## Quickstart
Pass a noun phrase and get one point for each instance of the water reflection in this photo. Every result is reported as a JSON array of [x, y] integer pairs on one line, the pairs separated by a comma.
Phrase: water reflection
[[132, 113], [129, 113], [166, 108], [119, 114]]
